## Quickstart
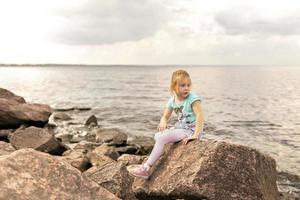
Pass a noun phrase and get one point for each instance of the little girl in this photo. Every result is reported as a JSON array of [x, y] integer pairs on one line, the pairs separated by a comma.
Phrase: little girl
[[189, 126]]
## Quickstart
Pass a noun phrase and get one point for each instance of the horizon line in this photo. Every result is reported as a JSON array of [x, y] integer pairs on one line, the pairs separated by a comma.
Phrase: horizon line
[[95, 65]]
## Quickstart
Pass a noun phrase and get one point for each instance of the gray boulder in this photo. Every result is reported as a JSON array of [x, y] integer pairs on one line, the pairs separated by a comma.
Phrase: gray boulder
[[13, 114], [6, 94], [210, 170], [38, 139], [113, 176], [29, 174]]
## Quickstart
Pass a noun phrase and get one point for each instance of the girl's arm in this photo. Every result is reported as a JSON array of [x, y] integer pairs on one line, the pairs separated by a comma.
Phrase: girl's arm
[[196, 106], [164, 119]]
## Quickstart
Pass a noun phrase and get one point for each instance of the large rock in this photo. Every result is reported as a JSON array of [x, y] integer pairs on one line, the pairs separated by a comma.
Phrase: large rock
[[211, 170], [13, 114], [5, 94], [113, 176], [38, 139], [29, 174]]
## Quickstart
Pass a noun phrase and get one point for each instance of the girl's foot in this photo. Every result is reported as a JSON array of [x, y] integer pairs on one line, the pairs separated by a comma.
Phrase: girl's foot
[[138, 171]]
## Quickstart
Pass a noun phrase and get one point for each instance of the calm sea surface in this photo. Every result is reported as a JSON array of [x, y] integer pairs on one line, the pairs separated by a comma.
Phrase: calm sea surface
[[254, 106]]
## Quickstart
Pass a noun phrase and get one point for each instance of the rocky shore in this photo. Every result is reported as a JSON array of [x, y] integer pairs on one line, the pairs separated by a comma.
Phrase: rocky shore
[[42, 159]]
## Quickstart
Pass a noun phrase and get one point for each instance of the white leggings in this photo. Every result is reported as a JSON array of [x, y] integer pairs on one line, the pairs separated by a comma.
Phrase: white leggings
[[162, 138]]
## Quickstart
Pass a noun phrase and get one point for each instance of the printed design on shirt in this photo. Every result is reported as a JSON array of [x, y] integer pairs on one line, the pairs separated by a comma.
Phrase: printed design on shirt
[[182, 115]]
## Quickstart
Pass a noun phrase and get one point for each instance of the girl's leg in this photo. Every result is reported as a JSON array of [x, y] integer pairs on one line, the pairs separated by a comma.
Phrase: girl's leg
[[171, 135]]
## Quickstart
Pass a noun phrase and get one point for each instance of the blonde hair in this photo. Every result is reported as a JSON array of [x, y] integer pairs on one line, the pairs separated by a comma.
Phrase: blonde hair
[[176, 77]]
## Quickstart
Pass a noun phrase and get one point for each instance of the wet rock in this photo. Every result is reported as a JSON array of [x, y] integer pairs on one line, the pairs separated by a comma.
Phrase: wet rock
[[63, 109], [211, 170], [91, 121], [38, 139], [144, 144], [287, 196], [287, 175], [6, 148], [83, 133], [91, 136], [64, 137], [6, 94], [72, 109], [61, 116], [288, 184], [78, 159], [29, 174], [113, 136], [82, 108], [13, 114], [77, 139], [129, 159], [96, 155], [114, 177]]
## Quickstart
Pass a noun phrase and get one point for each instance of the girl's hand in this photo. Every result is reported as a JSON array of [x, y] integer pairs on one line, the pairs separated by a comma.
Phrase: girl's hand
[[162, 126], [193, 137]]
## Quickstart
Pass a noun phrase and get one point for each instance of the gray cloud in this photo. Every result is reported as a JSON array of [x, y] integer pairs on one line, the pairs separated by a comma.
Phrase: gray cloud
[[242, 21], [106, 22]]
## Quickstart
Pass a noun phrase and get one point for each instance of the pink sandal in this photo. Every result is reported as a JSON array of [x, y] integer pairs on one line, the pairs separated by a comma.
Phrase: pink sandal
[[138, 171]]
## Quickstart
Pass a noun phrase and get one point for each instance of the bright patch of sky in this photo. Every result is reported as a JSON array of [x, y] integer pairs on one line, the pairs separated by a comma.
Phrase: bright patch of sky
[[202, 32]]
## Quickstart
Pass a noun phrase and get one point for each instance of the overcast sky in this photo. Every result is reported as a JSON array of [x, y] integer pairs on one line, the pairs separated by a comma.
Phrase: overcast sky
[[264, 32]]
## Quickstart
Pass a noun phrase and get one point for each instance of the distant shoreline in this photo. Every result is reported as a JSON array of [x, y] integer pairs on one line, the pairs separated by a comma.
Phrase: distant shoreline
[[137, 65]]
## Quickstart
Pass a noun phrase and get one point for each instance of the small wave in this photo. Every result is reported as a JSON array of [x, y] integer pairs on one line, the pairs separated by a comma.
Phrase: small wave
[[253, 123], [289, 143], [131, 97]]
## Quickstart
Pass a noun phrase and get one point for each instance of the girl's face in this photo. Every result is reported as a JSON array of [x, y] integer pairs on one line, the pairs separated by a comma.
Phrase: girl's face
[[183, 88]]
